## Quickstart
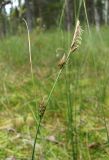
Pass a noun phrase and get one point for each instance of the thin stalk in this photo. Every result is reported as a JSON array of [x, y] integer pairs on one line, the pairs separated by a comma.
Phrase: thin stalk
[[84, 3], [29, 47], [81, 106], [79, 8], [62, 14], [75, 7], [88, 152], [75, 130], [34, 146], [30, 58], [70, 133], [53, 87], [70, 114], [102, 108], [105, 123]]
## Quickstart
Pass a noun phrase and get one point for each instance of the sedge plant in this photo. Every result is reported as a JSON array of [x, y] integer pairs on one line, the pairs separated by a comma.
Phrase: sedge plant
[[76, 41]]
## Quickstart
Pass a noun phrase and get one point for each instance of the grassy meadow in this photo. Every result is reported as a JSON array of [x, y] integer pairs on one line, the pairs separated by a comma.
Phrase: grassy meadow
[[85, 84]]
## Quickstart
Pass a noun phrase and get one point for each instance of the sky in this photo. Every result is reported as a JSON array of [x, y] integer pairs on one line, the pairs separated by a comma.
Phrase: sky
[[15, 3]]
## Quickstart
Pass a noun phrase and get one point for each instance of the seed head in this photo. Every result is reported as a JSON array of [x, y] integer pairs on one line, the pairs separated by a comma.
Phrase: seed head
[[62, 61], [76, 42], [42, 108]]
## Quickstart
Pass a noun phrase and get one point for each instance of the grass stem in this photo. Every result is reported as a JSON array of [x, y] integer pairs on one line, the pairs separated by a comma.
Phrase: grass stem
[[34, 146]]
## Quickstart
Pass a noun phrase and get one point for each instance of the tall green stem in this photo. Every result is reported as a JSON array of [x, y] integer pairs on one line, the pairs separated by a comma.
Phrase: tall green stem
[[34, 146]]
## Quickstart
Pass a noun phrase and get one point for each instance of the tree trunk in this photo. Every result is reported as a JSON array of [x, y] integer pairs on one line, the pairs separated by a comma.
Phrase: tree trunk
[[37, 10], [96, 16], [90, 10], [4, 22], [106, 12], [29, 14], [68, 15], [19, 3]]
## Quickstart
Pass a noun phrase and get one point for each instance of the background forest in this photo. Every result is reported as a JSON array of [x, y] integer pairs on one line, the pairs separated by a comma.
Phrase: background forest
[[54, 80], [46, 13]]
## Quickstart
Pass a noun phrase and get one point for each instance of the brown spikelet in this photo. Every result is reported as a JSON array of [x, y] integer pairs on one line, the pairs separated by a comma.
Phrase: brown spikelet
[[62, 61], [42, 108], [76, 42]]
